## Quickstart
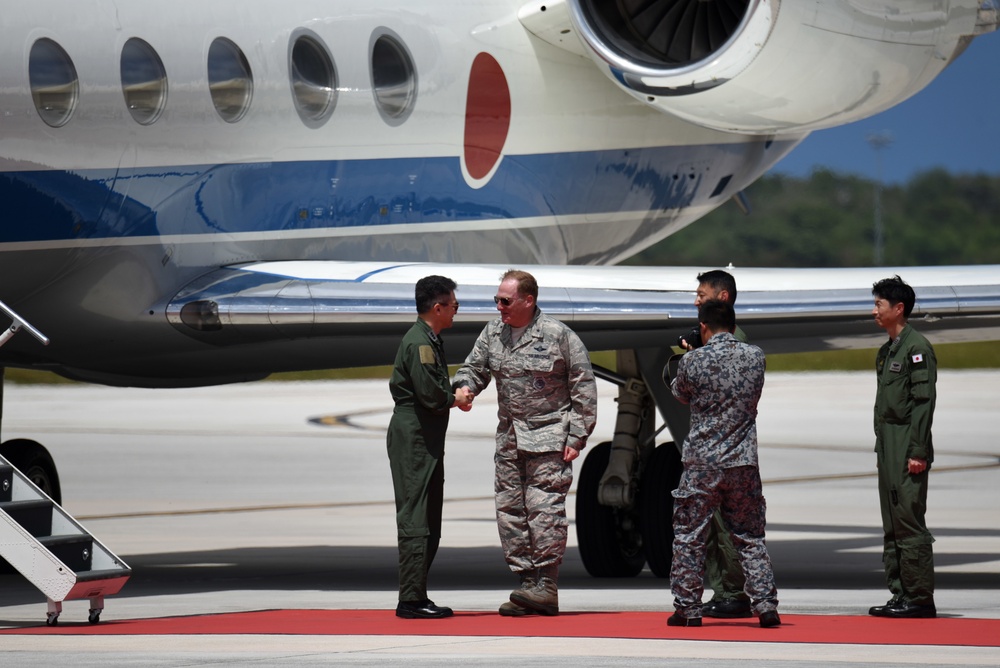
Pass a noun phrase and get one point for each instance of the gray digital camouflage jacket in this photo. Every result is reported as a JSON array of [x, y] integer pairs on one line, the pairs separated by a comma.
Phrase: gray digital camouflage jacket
[[722, 381]]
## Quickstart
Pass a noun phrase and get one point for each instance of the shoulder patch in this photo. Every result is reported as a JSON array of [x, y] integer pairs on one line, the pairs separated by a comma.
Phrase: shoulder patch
[[427, 355], [917, 359]]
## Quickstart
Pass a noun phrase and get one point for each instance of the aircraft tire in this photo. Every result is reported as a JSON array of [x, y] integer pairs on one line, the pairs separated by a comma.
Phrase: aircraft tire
[[609, 541], [656, 507], [34, 461]]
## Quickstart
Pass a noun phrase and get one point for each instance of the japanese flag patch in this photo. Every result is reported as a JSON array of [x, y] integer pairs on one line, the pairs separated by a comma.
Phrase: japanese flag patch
[[917, 359]]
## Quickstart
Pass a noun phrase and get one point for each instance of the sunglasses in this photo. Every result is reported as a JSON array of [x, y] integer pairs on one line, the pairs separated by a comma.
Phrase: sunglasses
[[453, 305], [506, 301]]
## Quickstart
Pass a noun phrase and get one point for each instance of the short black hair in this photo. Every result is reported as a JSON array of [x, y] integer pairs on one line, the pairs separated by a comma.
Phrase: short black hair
[[717, 315], [895, 291], [430, 289], [719, 280]]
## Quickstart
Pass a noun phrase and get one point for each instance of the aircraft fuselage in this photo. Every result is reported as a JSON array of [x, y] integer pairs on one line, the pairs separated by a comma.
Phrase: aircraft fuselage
[[464, 139]]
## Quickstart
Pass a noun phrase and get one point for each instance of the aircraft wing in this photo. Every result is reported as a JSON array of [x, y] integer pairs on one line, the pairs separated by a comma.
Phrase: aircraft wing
[[362, 307]]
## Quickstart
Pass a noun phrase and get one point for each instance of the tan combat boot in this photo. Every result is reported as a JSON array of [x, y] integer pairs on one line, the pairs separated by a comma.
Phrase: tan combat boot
[[529, 580], [544, 598]]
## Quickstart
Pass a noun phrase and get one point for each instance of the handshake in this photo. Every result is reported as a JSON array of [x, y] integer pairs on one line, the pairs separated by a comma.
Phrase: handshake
[[463, 398]]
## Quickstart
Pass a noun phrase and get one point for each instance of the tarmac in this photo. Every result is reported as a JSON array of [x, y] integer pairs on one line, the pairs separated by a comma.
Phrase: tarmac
[[277, 495]]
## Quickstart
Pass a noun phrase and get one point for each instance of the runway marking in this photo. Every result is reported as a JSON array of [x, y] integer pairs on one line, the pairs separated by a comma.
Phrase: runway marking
[[874, 474], [345, 420], [362, 504], [258, 509], [764, 445]]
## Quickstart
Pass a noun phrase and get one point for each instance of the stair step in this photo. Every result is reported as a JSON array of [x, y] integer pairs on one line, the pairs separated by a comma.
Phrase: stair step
[[74, 550], [34, 516], [103, 574]]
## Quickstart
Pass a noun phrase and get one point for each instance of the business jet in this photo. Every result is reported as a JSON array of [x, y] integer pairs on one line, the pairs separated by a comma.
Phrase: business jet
[[197, 193]]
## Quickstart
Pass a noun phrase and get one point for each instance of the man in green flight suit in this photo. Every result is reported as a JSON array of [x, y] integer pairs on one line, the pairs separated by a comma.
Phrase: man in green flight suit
[[723, 572], [904, 411], [422, 393]]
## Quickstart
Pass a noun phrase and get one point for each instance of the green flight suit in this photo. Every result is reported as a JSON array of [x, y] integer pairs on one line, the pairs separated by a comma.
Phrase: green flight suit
[[723, 573], [421, 390], [904, 410]]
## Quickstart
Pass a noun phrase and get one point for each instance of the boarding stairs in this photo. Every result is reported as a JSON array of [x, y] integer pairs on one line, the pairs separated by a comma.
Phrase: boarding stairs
[[45, 544], [52, 550]]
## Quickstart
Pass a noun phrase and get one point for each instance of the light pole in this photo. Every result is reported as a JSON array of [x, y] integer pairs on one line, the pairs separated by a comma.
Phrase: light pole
[[878, 141]]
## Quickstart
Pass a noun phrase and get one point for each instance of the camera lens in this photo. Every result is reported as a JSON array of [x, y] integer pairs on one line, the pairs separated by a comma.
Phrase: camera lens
[[693, 338]]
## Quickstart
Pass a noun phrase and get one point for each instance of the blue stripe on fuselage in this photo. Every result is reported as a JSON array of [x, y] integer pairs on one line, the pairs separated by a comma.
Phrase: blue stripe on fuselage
[[264, 197]]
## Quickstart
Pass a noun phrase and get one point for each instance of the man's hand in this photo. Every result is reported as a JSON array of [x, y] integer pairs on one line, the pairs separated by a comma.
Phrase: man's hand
[[569, 454], [463, 398], [916, 465]]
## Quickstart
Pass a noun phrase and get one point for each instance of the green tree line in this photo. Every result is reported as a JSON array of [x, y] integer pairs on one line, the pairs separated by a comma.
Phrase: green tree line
[[828, 220]]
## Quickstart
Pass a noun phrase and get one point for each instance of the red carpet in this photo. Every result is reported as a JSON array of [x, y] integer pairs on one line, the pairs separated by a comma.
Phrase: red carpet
[[862, 630]]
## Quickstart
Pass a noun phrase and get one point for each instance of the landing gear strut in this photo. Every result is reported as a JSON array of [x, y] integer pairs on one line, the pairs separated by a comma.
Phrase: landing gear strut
[[624, 504], [611, 545]]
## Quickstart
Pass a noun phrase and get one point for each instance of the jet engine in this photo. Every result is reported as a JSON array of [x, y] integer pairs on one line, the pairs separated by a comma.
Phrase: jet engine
[[768, 66]]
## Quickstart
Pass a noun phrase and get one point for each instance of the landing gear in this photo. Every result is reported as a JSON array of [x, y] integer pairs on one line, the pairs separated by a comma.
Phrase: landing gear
[[656, 507], [617, 542], [624, 503], [34, 461], [609, 538]]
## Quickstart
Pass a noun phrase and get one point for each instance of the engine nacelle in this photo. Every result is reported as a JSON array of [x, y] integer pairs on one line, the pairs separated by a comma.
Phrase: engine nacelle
[[767, 66]]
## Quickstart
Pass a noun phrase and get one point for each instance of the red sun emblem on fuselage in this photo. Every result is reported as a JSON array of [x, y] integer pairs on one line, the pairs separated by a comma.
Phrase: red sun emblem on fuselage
[[487, 116]]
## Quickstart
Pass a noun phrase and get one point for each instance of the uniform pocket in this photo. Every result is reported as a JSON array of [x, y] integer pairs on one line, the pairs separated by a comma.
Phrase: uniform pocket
[[920, 387]]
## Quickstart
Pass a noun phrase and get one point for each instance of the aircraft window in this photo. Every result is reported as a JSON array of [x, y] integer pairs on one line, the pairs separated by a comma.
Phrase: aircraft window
[[55, 87], [314, 81], [229, 80], [144, 81], [394, 79]]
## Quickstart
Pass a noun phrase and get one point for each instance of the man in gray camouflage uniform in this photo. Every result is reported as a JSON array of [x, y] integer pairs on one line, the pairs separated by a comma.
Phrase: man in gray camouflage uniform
[[723, 573], [547, 407], [722, 381]]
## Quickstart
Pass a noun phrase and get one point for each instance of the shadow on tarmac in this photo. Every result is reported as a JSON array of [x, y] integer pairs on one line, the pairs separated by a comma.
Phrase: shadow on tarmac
[[812, 563]]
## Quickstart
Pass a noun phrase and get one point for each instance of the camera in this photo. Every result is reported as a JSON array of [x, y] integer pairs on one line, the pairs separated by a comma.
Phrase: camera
[[693, 338]]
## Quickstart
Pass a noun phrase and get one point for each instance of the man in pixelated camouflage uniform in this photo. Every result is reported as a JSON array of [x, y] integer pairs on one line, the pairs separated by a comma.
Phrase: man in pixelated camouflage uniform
[[722, 381], [723, 573], [547, 407]]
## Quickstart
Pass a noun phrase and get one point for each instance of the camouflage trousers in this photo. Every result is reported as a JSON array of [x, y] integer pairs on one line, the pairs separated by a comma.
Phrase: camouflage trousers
[[738, 494], [531, 508]]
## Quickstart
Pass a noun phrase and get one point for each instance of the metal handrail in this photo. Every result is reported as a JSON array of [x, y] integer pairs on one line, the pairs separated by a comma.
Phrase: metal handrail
[[17, 324]]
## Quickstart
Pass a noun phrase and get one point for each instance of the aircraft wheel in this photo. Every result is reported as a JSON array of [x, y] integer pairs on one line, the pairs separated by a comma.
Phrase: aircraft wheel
[[35, 462], [52, 619], [656, 507], [610, 543], [94, 616]]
